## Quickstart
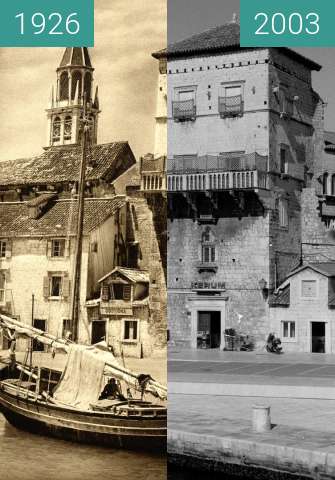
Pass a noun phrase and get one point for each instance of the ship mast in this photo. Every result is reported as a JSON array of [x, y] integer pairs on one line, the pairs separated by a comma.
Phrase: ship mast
[[75, 310]]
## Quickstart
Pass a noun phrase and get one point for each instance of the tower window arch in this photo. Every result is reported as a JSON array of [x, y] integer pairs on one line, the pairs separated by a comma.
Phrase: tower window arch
[[325, 184], [56, 127], [76, 80], [68, 128], [87, 85], [64, 86]]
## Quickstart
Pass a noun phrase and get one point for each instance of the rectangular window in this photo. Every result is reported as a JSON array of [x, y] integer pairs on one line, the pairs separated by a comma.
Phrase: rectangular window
[[58, 248], [283, 213], [231, 101], [130, 330], [67, 328], [288, 330], [119, 291], [3, 248], [283, 160], [308, 288], [55, 286], [208, 254], [184, 106]]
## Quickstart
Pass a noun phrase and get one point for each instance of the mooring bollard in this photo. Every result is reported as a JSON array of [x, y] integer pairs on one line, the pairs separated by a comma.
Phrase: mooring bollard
[[261, 420]]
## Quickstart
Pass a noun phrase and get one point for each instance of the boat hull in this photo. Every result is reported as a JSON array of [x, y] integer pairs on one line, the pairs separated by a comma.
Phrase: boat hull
[[98, 428]]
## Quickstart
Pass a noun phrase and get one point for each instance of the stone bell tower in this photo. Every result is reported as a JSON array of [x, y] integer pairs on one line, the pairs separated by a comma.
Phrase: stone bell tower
[[74, 84]]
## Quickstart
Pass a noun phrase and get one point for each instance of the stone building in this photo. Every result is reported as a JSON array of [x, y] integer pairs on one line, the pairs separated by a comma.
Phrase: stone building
[[244, 129], [38, 218]]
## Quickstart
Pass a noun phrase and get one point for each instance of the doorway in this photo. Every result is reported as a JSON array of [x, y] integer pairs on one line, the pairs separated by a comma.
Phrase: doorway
[[318, 335], [209, 330], [98, 331], [41, 325]]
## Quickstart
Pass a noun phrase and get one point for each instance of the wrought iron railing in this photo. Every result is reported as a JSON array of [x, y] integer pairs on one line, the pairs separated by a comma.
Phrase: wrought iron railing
[[231, 106], [226, 162], [184, 110]]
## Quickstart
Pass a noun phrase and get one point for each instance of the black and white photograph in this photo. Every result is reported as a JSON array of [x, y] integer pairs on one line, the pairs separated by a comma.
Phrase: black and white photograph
[[83, 381]]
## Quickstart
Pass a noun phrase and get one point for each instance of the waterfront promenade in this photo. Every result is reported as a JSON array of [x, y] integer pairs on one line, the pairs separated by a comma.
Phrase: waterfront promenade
[[211, 395]]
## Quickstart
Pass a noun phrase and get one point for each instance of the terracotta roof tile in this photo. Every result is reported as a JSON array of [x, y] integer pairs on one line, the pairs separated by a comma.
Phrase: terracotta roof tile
[[59, 219], [218, 39], [61, 164]]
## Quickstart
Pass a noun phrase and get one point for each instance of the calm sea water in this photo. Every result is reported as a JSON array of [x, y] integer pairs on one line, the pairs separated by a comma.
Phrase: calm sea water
[[24, 456]]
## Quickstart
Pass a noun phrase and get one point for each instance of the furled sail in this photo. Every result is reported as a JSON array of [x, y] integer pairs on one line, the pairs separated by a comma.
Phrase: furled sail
[[112, 367]]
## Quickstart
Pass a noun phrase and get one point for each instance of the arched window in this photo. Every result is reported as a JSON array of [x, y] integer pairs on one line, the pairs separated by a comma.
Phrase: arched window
[[64, 86], [68, 128], [208, 248], [325, 184], [56, 130], [333, 185], [87, 85], [76, 80]]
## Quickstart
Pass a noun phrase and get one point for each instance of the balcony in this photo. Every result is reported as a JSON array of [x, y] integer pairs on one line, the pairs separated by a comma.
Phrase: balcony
[[231, 106], [184, 110], [222, 172], [153, 176], [207, 267]]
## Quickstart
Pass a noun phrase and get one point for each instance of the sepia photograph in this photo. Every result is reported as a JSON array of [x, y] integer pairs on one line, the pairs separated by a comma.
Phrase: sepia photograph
[[83, 348], [251, 251]]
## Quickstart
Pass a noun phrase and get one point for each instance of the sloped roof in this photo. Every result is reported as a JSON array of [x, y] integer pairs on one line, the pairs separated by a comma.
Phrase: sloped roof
[[329, 137], [76, 57], [326, 268], [62, 164], [223, 37], [282, 298], [59, 219], [132, 274]]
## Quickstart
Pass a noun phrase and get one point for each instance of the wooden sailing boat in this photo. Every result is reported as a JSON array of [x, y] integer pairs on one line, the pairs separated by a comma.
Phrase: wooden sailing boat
[[66, 403]]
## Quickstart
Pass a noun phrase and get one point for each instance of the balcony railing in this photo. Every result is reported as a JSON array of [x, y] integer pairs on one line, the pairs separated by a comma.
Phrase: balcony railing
[[231, 106], [153, 182], [228, 162], [217, 181], [183, 110]]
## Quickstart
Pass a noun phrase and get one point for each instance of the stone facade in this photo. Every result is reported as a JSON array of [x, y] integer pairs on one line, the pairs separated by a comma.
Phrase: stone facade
[[274, 117]]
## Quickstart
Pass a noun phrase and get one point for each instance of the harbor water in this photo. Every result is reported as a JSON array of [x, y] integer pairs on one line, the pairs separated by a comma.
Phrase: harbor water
[[25, 456]]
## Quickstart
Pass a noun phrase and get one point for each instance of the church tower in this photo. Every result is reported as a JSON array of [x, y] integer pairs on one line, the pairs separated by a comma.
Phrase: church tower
[[74, 83]]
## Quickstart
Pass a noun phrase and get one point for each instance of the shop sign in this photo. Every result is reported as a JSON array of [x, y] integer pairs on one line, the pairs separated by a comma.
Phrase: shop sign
[[116, 310], [208, 285]]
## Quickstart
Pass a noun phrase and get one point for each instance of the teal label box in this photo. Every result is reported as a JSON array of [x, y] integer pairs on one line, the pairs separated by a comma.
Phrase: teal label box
[[47, 23], [287, 23]]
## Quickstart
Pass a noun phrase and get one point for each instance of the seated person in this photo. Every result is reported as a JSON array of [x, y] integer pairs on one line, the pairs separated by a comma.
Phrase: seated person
[[111, 391]]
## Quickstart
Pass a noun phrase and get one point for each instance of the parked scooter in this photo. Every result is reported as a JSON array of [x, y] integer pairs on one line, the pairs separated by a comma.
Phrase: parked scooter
[[273, 344]]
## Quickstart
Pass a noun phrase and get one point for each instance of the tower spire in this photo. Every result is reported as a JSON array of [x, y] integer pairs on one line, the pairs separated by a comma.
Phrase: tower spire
[[74, 83]]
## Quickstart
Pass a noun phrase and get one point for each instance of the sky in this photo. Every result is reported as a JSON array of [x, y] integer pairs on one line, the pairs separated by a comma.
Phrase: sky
[[126, 33], [187, 17]]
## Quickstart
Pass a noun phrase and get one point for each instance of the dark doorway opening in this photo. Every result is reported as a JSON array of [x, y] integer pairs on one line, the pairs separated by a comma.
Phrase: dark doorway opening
[[41, 325], [318, 330], [209, 330], [98, 331]]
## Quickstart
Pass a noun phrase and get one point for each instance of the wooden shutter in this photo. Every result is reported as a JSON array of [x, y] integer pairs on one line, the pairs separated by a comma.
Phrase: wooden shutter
[[49, 248], [8, 248], [65, 287], [46, 287], [127, 293], [104, 293], [67, 247]]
